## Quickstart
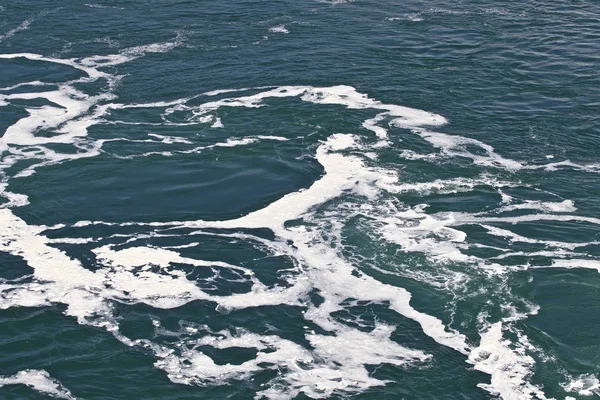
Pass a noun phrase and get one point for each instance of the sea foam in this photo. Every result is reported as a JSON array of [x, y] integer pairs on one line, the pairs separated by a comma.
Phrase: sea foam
[[335, 362]]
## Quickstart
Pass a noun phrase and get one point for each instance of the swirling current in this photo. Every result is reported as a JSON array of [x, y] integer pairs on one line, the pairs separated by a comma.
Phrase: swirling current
[[292, 200]]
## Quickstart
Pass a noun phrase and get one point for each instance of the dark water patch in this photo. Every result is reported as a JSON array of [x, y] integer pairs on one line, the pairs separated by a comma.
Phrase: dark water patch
[[192, 193], [20, 70], [13, 267]]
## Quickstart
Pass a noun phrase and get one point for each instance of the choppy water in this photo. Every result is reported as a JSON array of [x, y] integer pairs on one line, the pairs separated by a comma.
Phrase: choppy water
[[299, 199]]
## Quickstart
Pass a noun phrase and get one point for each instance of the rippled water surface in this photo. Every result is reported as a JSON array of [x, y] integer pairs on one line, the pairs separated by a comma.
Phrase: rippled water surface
[[299, 200]]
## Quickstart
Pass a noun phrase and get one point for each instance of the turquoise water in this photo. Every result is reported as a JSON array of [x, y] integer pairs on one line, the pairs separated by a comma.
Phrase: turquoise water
[[299, 200]]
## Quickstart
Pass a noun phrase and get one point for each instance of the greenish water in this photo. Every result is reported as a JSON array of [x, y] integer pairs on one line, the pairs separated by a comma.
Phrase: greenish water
[[299, 200]]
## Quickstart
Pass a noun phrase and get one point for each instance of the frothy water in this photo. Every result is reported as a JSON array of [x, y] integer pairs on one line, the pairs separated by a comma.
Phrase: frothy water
[[348, 250]]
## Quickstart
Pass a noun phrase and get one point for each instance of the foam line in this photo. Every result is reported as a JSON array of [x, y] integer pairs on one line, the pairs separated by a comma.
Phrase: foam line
[[514, 237], [91, 72], [32, 83], [556, 166], [453, 185], [455, 146], [223, 91], [170, 139], [23, 26], [547, 206], [577, 263], [340, 95], [465, 219]]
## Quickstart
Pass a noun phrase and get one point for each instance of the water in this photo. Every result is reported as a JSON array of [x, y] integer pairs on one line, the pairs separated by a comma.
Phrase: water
[[292, 200]]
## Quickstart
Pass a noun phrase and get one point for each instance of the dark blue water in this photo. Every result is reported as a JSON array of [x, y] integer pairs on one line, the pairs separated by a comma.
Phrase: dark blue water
[[299, 200]]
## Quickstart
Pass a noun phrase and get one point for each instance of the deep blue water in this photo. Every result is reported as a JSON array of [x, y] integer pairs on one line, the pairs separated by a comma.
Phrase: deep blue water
[[299, 200]]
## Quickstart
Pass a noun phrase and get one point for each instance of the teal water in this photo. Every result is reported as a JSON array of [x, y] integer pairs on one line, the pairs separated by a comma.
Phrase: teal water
[[299, 200]]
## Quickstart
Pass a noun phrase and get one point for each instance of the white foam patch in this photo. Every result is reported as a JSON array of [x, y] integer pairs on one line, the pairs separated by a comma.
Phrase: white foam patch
[[271, 137], [548, 206], [150, 105], [128, 271], [509, 369], [414, 17], [371, 124], [456, 146], [416, 231], [223, 91], [327, 367], [341, 173], [170, 139], [319, 373], [40, 381], [91, 72], [583, 385], [577, 263], [128, 275], [236, 142], [217, 123], [14, 199], [70, 106], [279, 29], [447, 186]]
